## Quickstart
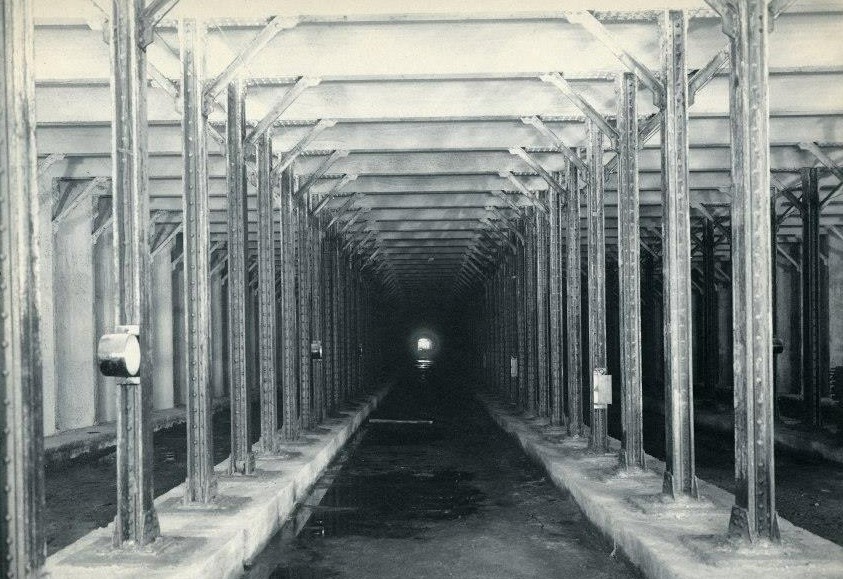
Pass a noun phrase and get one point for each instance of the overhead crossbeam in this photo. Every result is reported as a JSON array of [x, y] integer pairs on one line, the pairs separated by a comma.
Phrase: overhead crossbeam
[[505, 198], [280, 106], [236, 66], [334, 192], [557, 141], [524, 190], [342, 209], [320, 171], [290, 156], [599, 31], [154, 12], [67, 202], [538, 168], [823, 158], [557, 80], [506, 220]]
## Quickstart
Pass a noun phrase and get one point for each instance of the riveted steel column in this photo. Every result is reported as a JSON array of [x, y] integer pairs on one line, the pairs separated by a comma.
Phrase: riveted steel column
[[289, 390], [200, 482], [679, 475], [21, 422], [136, 519], [330, 322], [242, 460], [711, 349], [629, 264], [532, 316], [555, 203], [267, 333], [304, 315], [572, 302], [812, 366], [317, 366], [596, 280], [337, 323], [542, 313], [754, 513], [521, 318]]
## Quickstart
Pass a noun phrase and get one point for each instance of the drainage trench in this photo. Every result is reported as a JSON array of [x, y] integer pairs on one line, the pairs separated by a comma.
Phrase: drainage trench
[[430, 487]]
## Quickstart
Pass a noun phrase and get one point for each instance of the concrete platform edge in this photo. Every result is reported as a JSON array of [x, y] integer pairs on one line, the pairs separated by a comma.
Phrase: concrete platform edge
[[663, 541], [219, 543]]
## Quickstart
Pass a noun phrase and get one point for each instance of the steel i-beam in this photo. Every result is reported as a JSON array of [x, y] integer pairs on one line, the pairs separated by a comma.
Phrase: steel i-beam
[[532, 316], [242, 459], [521, 317], [22, 467], [754, 513], [317, 372], [542, 312], [679, 476], [290, 426], [267, 331], [555, 204], [200, 482], [596, 280], [812, 362], [632, 448], [304, 337], [136, 519]]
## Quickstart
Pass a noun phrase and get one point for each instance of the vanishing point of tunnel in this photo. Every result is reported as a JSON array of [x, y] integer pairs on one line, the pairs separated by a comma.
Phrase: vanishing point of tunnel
[[380, 288]]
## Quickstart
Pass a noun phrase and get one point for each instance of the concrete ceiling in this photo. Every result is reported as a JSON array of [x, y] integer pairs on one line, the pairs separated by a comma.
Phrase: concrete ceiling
[[428, 101]]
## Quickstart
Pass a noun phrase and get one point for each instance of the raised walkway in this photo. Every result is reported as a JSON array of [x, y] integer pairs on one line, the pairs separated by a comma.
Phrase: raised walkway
[[217, 541], [686, 539], [69, 444]]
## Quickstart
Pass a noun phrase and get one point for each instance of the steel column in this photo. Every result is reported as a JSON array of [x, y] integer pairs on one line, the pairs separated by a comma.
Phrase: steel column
[[679, 476], [573, 298], [289, 385], [21, 422], [317, 318], [596, 280], [629, 265], [542, 313], [555, 204], [136, 519], [521, 318], [812, 366], [304, 250], [200, 483], [267, 331], [242, 459], [754, 513], [336, 326], [532, 314]]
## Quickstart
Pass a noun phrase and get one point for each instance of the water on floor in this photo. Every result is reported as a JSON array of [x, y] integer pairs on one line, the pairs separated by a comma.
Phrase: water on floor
[[432, 488]]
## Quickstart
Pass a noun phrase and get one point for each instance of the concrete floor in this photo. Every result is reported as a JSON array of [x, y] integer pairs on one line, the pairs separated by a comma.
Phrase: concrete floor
[[457, 498]]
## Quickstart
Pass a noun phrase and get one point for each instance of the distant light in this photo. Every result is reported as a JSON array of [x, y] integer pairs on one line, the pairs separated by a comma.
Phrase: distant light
[[425, 344]]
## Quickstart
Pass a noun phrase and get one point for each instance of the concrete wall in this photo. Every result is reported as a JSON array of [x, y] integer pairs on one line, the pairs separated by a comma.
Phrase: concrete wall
[[179, 368], [789, 318], [218, 331], [162, 336], [45, 283], [73, 312], [104, 311]]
